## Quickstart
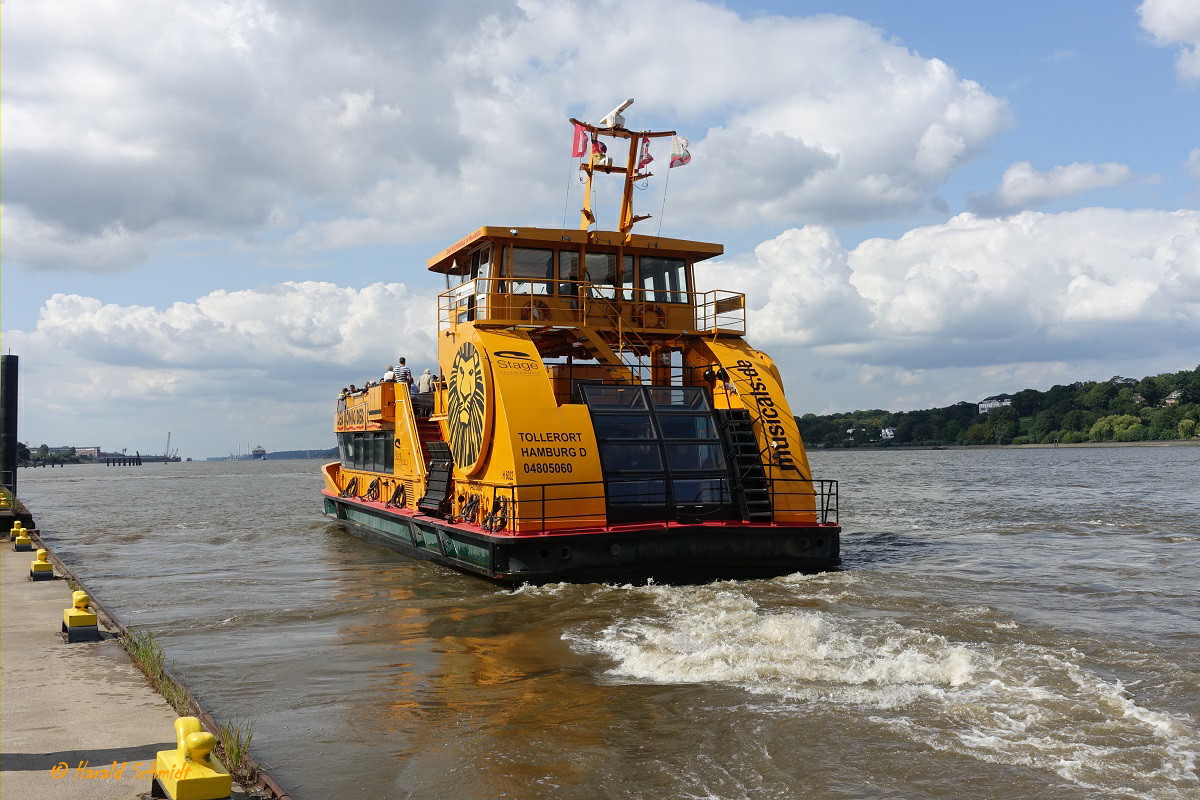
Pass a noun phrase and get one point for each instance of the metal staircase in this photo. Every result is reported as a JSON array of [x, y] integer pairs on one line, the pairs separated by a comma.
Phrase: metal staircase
[[608, 353], [604, 354], [750, 486], [437, 488]]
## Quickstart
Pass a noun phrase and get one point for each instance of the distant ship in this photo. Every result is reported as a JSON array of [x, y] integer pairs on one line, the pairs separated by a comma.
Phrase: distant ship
[[258, 454]]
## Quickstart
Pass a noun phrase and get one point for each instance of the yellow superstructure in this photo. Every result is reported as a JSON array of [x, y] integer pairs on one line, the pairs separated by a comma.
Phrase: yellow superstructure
[[587, 385]]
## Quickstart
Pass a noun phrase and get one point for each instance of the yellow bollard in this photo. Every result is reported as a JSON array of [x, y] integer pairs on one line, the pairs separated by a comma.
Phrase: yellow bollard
[[190, 772], [79, 621], [40, 569], [20, 537]]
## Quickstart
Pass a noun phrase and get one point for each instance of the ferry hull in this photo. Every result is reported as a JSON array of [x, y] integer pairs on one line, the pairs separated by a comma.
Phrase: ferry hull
[[664, 553]]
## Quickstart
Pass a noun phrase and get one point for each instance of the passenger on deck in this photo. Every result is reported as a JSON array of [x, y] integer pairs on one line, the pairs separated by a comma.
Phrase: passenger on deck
[[353, 390], [425, 383], [404, 374], [390, 375]]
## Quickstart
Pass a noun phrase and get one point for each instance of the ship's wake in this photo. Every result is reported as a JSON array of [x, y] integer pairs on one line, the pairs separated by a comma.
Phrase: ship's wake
[[1007, 703]]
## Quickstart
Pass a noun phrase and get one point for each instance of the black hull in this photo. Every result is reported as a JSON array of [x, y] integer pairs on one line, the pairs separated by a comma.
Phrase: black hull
[[676, 554]]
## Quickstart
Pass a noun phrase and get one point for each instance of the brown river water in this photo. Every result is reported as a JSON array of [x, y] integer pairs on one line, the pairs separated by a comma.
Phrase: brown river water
[[1008, 624]]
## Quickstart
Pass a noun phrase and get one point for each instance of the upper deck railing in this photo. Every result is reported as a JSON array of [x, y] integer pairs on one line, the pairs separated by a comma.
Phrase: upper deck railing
[[489, 301]]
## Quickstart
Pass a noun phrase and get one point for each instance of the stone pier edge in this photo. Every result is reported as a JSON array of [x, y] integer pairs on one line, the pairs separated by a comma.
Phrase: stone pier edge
[[262, 780]]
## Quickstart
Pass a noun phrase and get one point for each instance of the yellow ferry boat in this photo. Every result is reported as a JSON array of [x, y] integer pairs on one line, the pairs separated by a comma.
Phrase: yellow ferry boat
[[598, 417]]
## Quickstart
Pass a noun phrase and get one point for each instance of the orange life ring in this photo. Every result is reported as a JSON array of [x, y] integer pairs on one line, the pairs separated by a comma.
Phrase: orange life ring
[[536, 311], [654, 317]]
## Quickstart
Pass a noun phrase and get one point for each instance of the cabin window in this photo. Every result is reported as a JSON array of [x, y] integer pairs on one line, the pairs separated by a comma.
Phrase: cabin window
[[660, 452], [532, 270], [458, 274], [627, 277], [636, 494], [603, 275], [480, 260], [664, 279], [378, 453], [568, 270], [712, 492], [686, 426], [615, 397], [629, 425], [466, 300], [367, 451], [694, 456]]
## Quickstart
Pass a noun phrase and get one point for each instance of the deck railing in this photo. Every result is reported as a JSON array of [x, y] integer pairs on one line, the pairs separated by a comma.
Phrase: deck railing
[[534, 508], [503, 301]]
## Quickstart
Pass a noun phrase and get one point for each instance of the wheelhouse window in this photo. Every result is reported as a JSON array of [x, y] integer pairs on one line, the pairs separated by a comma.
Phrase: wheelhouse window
[[664, 279], [532, 270], [603, 275], [480, 262], [568, 270], [627, 278], [458, 274], [464, 300]]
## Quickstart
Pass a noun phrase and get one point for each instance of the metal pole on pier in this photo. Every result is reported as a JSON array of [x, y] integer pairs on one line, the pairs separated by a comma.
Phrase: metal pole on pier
[[8, 422]]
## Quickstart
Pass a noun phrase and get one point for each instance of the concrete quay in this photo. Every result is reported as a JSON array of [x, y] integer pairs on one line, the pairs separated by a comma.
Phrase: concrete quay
[[69, 704]]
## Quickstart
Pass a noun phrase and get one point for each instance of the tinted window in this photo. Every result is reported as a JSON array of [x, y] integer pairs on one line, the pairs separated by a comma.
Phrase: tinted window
[[378, 454], [568, 270], [602, 274], [695, 492], [687, 426], [532, 270], [614, 397], [695, 456], [627, 493], [683, 397], [619, 457], [623, 426], [664, 279]]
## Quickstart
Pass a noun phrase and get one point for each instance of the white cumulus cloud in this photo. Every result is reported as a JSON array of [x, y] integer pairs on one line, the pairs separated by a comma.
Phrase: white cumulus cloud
[[1192, 165], [232, 364], [1023, 187], [135, 125], [923, 319], [977, 291], [1175, 22]]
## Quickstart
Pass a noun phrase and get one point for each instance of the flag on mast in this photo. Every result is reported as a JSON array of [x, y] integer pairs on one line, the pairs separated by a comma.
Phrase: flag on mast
[[645, 158], [579, 145], [679, 151]]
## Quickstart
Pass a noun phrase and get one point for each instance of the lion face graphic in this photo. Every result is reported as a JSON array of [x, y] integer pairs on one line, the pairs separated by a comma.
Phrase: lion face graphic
[[467, 405]]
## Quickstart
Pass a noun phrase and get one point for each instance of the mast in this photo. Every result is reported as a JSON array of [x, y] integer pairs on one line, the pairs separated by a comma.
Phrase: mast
[[598, 161]]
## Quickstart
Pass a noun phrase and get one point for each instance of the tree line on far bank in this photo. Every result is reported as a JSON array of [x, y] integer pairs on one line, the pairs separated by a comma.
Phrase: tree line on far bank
[[43, 455], [1159, 407]]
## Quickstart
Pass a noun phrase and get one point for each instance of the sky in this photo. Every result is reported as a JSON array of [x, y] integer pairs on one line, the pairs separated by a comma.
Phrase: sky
[[218, 214]]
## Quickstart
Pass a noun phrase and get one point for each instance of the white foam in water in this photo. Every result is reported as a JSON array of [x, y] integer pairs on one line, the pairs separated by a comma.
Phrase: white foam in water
[[1010, 704]]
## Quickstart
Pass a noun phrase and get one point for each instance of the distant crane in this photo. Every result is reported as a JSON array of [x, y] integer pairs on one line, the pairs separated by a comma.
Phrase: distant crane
[[168, 456]]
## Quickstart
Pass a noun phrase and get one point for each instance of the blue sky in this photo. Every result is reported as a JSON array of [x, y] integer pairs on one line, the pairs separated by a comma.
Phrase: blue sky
[[216, 215]]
